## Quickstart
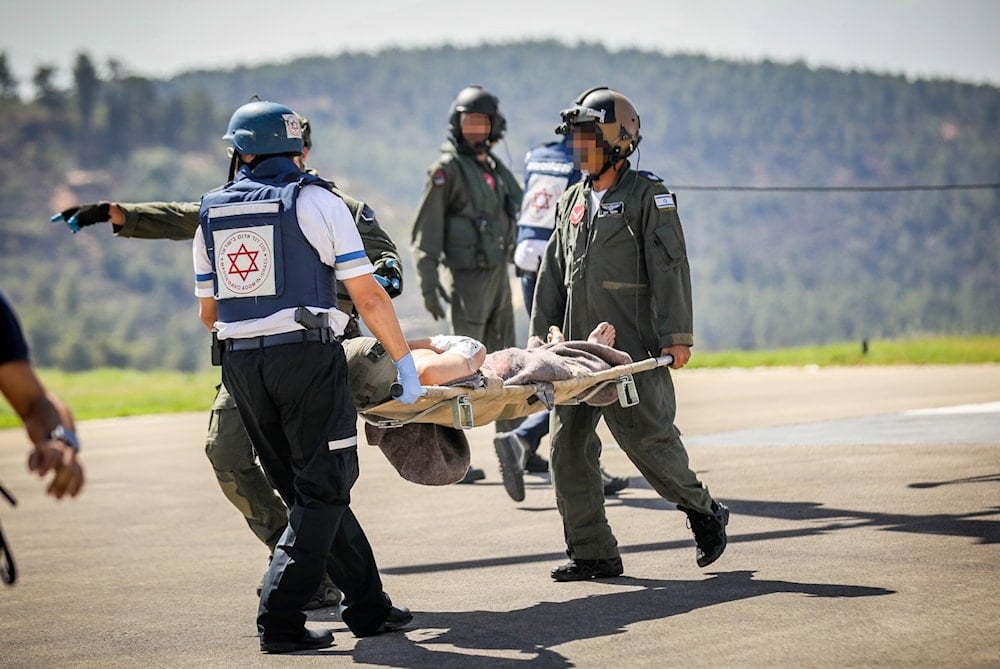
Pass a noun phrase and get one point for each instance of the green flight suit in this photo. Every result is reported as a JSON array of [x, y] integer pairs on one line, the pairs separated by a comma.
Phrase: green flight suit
[[467, 222], [625, 263], [227, 446]]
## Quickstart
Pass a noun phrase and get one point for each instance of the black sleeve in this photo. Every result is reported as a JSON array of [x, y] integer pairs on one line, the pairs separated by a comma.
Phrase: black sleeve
[[13, 346]]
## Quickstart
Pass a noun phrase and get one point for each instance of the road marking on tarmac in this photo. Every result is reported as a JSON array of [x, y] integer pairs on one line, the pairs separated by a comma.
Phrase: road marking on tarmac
[[986, 407]]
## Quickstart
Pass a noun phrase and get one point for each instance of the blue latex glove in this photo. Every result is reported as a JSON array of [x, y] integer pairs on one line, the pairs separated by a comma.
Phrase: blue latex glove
[[406, 375]]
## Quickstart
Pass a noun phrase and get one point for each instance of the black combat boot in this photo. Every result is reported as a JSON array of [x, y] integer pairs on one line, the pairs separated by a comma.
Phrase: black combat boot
[[709, 532], [584, 570]]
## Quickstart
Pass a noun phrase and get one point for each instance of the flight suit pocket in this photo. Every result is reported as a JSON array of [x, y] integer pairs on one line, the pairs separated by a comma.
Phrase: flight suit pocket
[[669, 243], [460, 244]]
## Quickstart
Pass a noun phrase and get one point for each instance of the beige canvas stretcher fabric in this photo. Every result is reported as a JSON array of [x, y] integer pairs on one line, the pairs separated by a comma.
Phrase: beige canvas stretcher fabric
[[464, 407]]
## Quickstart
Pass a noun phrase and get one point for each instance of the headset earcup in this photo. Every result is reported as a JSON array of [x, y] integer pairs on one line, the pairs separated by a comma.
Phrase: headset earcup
[[498, 126]]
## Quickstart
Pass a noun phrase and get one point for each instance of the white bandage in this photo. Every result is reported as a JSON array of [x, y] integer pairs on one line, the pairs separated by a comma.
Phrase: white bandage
[[467, 347]]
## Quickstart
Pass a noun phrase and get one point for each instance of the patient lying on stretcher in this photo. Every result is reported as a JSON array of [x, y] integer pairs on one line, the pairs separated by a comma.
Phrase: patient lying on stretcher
[[448, 359], [431, 450]]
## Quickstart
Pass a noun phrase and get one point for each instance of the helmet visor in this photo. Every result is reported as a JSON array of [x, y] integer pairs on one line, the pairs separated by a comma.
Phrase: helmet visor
[[580, 114], [576, 115]]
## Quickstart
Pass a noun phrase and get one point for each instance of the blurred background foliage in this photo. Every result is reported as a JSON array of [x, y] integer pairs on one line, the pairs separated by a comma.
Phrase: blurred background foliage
[[770, 268]]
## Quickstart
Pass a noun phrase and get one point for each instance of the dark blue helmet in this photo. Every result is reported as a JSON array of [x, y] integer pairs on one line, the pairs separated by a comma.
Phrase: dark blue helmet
[[265, 128]]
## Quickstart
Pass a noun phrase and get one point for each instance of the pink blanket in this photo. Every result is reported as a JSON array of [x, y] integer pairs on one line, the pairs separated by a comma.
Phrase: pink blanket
[[557, 362]]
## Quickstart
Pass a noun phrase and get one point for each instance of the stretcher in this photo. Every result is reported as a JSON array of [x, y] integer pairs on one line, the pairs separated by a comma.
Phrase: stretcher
[[465, 408]]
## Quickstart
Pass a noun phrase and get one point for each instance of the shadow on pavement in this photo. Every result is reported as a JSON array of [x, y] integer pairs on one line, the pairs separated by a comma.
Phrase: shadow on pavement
[[530, 636]]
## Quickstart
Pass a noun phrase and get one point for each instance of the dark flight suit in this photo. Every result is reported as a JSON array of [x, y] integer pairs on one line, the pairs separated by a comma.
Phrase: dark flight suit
[[626, 264]]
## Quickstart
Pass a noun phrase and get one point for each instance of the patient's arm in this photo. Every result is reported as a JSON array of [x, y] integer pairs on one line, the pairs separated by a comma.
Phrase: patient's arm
[[442, 358]]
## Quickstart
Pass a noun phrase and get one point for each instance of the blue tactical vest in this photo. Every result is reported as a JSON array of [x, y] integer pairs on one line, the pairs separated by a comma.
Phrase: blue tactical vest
[[262, 262], [548, 172]]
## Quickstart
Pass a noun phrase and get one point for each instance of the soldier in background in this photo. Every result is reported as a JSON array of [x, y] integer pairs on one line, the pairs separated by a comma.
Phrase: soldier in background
[[466, 221]]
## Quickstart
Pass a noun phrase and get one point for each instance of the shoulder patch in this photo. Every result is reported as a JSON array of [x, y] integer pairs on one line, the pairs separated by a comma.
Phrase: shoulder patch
[[367, 214], [649, 175], [438, 177], [665, 201]]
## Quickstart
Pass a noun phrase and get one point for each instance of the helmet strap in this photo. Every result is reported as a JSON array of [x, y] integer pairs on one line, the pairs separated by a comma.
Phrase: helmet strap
[[234, 162], [612, 156]]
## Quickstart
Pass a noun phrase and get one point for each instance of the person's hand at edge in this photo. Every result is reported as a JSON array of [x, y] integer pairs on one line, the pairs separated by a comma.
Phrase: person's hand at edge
[[59, 457]]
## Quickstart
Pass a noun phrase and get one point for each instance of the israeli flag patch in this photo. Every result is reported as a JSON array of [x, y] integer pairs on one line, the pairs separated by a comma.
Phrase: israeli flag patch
[[665, 201]]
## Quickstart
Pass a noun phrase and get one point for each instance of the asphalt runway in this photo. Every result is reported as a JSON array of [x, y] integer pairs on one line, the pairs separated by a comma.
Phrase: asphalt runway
[[865, 532]]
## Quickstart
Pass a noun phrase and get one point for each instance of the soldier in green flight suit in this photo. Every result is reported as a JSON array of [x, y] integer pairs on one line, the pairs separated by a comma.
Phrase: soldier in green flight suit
[[227, 446], [618, 255], [467, 221]]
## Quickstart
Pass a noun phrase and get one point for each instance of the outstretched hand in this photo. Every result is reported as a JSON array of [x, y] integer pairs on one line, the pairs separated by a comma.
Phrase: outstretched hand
[[82, 215]]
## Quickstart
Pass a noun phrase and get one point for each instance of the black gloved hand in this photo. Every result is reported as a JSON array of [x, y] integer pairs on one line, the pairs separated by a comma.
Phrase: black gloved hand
[[83, 215], [433, 305], [389, 276]]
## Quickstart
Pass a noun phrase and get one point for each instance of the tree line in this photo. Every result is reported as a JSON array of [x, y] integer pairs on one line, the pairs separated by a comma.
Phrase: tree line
[[770, 268]]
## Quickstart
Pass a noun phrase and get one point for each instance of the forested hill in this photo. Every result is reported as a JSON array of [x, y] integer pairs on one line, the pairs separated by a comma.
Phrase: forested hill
[[852, 218]]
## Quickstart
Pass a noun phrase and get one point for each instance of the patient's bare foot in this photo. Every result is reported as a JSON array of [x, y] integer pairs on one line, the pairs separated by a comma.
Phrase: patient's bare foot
[[604, 333], [555, 335]]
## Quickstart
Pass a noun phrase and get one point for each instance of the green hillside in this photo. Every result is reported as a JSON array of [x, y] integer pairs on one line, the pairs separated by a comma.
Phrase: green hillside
[[771, 268]]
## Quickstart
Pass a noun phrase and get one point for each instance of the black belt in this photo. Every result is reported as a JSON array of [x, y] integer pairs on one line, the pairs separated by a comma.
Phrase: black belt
[[324, 335]]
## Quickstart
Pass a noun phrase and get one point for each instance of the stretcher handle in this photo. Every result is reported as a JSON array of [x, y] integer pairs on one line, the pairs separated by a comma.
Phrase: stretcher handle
[[396, 390]]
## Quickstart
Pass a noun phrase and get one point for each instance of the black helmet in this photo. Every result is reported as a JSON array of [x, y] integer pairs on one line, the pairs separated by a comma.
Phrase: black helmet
[[614, 115], [476, 100]]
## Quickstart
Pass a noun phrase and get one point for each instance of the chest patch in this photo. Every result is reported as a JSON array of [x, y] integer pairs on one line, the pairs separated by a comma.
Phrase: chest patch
[[576, 215], [490, 181], [611, 209]]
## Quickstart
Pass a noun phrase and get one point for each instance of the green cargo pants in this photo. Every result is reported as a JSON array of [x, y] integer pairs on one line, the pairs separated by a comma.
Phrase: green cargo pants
[[228, 447], [481, 308], [647, 434], [242, 480]]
